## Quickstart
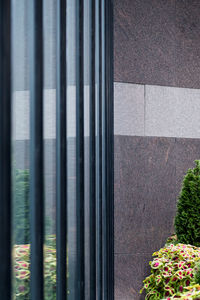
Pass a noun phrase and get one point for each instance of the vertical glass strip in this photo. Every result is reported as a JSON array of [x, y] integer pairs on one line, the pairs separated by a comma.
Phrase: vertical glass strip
[[49, 141], [36, 147], [80, 268], [92, 155], [87, 42], [20, 151], [5, 149], [61, 148], [71, 146]]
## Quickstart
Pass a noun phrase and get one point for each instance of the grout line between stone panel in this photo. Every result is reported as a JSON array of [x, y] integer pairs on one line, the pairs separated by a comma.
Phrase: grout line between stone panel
[[144, 110]]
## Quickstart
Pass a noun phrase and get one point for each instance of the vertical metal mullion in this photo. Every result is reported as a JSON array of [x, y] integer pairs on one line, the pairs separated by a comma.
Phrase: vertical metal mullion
[[92, 155], [104, 174], [107, 157], [5, 149], [99, 237], [61, 152], [36, 147], [109, 115], [80, 270]]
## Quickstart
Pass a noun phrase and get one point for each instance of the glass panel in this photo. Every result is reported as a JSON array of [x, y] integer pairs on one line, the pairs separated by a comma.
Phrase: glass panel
[[87, 22], [49, 15], [71, 145], [20, 151]]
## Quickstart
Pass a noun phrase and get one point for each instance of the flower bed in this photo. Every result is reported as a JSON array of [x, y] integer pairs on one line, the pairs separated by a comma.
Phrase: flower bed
[[173, 270]]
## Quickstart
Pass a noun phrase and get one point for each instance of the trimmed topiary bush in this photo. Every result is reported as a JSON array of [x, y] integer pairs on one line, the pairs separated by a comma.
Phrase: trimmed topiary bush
[[187, 220]]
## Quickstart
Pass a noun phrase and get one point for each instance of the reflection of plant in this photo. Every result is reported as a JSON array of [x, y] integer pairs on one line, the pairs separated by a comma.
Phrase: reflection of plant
[[21, 214], [21, 207], [21, 254], [172, 269], [187, 220]]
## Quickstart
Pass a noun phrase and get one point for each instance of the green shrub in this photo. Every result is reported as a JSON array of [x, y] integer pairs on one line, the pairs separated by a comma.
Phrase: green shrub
[[187, 220], [197, 273], [172, 270]]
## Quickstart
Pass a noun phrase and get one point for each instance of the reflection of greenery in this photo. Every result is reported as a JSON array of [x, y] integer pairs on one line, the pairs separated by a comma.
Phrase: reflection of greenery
[[21, 221], [21, 207], [21, 255]]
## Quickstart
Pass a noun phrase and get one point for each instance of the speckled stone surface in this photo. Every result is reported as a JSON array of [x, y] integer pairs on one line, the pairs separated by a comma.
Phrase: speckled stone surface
[[144, 45], [187, 151], [148, 176], [187, 43], [157, 42], [145, 186], [130, 270]]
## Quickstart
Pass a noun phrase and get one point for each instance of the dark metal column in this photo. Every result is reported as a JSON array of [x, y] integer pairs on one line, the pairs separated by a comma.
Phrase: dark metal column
[[36, 147], [99, 158], [108, 151], [5, 149], [61, 152], [80, 268], [92, 154], [109, 134]]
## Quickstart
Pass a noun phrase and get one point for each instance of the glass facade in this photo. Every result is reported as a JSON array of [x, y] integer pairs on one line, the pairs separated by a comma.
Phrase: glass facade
[[57, 203]]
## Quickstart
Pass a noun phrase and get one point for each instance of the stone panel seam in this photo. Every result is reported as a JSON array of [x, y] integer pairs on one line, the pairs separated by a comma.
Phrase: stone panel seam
[[145, 110]]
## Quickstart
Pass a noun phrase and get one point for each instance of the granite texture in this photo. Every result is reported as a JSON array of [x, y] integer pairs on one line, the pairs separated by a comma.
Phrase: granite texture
[[148, 177], [187, 151], [144, 44], [187, 43], [152, 110], [145, 181], [172, 112], [130, 271], [157, 42], [128, 109]]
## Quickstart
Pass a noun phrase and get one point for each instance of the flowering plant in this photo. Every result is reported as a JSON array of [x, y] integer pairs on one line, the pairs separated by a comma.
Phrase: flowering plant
[[172, 269], [193, 292], [21, 255]]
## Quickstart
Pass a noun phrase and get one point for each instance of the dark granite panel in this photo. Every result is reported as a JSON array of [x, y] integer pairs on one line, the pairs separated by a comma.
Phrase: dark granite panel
[[145, 186], [130, 271], [187, 43], [187, 150], [144, 43], [157, 42]]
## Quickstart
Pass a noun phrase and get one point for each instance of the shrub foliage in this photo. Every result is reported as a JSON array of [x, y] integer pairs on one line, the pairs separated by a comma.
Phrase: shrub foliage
[[172, 271], [187, 220]]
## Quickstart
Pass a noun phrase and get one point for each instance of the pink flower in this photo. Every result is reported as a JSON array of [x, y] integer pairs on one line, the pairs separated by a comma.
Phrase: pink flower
[[21, 288], [187, 282]]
